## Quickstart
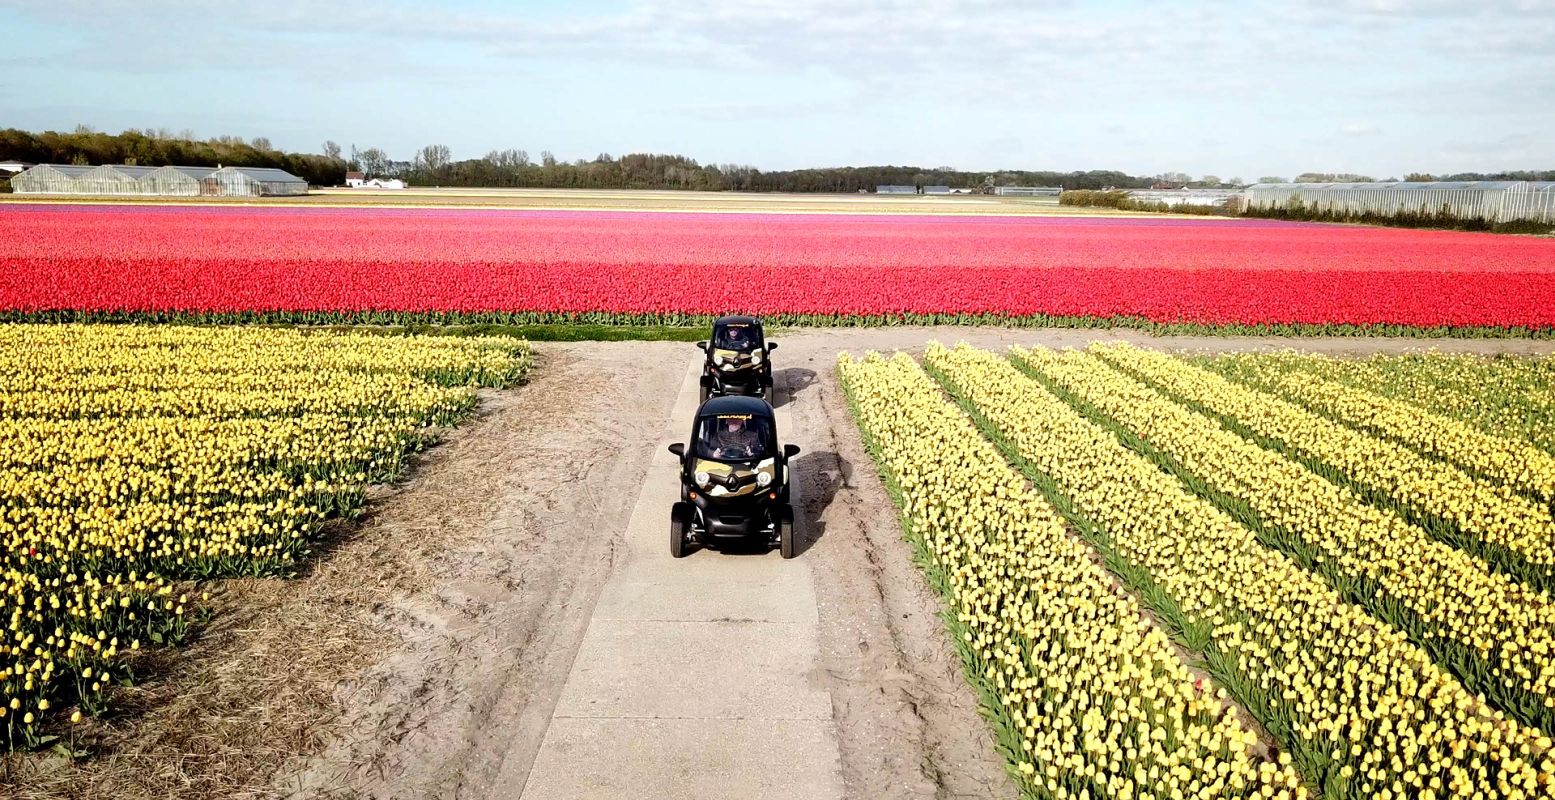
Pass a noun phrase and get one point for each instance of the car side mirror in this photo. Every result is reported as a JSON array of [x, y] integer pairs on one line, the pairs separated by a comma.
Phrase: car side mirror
[[702, 346], [679, 449], [771, 346], [790, 450]]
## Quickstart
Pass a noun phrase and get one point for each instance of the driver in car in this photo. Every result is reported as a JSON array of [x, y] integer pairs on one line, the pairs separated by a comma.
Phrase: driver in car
[[735, 439], [736, 338]]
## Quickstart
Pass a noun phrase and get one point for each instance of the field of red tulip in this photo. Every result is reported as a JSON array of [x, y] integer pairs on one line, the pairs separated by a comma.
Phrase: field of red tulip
[[509, 266]]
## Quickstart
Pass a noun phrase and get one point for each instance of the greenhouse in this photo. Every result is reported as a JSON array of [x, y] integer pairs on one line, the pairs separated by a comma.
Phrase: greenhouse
[[48, 179], [111, 180], [175, 181], [121, 179], [1490, 201], [253, 182]]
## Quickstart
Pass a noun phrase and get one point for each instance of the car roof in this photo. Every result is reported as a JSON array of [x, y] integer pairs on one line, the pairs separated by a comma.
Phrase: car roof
[[735, 404], [736, 319]]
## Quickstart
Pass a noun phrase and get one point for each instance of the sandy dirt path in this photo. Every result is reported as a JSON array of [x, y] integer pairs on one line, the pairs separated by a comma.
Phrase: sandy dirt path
[[697, 678], [462, 706], [463, 709]]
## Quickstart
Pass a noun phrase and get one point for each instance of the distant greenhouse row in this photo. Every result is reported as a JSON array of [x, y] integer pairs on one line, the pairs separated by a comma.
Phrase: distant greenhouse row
[[123, 180], [1489, 201]]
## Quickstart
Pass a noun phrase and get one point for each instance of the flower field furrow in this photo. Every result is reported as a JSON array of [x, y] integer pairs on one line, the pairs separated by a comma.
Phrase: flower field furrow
[[1511, 532], [376, 265], [1507, 396], [1495, 634], [1089, 699], [1362, 710], [134, 458], [1509, 462]]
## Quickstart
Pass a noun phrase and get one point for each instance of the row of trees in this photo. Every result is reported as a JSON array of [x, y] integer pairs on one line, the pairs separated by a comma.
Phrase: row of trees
[[158, 148], [435, 165]]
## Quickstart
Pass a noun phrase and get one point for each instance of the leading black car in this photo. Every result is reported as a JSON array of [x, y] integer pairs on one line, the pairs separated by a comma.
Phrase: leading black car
[[734, 481]]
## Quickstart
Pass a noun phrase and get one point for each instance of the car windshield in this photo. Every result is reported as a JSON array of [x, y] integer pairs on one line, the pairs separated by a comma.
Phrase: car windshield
[[734, 437], [740, 336]]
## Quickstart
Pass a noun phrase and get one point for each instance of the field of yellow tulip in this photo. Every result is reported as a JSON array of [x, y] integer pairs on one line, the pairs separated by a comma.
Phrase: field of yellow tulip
[[1495, 634], [1364, 712], [1512, 532], [1088, 698], [1504, 396], [1499, 459], [135, 460]]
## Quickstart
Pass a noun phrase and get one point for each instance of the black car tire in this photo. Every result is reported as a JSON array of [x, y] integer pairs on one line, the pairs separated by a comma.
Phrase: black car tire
[[786, 531], [677, 535], [705, 394]]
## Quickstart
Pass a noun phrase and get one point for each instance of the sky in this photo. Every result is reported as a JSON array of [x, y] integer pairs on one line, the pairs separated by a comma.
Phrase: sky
[[1235, 89]]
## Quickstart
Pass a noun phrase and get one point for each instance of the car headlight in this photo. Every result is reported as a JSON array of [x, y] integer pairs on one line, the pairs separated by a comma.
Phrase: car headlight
[[702, 479], [756, 357], [763, 478], [723, 359]]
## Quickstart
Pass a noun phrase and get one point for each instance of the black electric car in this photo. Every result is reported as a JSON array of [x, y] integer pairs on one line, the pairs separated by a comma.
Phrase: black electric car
[[733, 479], [738, 359]]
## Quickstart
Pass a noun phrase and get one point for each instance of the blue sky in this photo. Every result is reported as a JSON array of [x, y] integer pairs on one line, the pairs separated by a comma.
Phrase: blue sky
[[1243, 89]]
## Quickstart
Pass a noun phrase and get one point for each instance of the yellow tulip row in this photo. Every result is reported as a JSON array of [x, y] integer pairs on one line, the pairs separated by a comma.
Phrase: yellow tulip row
[[1511, 462], [1449, 503], [1090, 698], [1504, 396], [1496, 634], [255, 395], [302, 442], [187, 350], [134, 457], [1364, 712]]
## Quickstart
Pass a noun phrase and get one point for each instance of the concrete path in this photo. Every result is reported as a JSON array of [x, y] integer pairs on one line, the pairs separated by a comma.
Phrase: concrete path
[[697, 677]]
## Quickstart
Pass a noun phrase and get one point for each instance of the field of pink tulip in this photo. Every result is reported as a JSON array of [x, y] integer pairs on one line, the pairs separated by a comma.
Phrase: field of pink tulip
[[508, 266]]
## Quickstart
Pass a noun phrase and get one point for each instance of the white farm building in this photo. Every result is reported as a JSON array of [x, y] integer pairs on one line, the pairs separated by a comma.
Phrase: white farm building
[[126, 180], [1028, 191]]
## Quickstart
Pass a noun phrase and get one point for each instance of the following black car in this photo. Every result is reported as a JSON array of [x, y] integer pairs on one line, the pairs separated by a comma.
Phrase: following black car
[[738, 359]]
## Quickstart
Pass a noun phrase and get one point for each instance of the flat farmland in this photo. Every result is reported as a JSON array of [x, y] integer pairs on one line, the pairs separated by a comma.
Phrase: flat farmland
[[253, 551], [538, 199]]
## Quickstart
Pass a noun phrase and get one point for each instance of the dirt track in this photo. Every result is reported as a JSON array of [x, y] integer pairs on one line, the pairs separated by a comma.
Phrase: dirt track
[[475, 686], [461, 706], [425, 653]]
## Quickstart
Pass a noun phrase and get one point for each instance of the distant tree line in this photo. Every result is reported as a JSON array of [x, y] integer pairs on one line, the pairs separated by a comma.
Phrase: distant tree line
[[162, 148], [434, 165]]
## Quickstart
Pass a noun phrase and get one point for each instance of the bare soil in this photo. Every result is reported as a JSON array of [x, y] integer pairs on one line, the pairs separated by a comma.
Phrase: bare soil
[[429, 641]]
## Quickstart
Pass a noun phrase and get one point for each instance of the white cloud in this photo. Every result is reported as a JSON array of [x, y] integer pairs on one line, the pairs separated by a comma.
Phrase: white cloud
[[1359, 129], [1192, 81]]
